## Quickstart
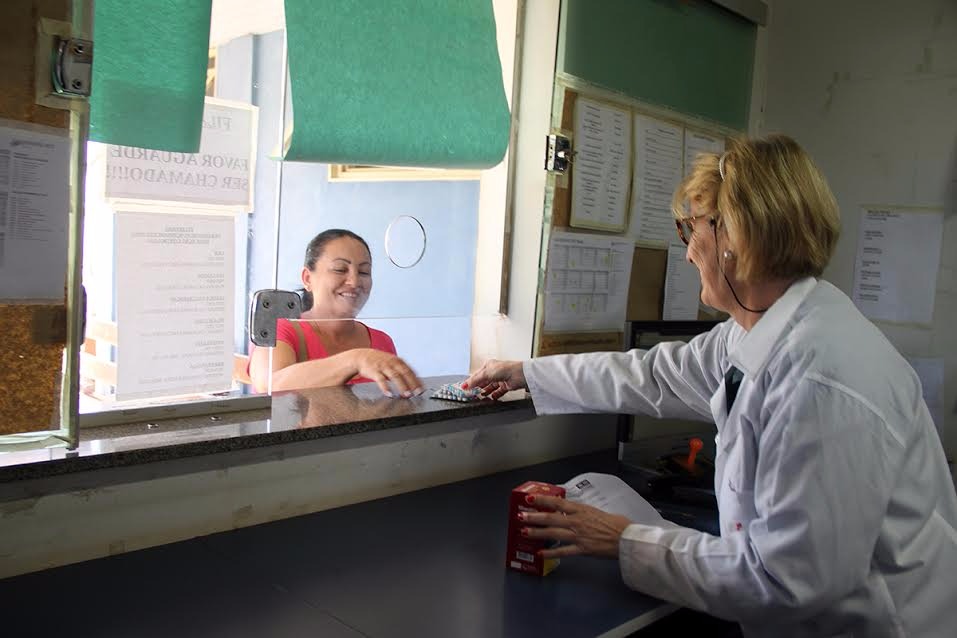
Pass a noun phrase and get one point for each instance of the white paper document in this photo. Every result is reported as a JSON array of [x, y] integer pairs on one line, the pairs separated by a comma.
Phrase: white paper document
[[898, 256], [602, 169], [175, 299], [682, 286], [657, 174], [612, 495], [697, 142], [34, 213], [586, 281], [220, 174], [930, 371]]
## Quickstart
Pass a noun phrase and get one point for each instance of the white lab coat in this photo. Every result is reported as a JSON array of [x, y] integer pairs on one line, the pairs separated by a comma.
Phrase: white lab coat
[[837, 510]]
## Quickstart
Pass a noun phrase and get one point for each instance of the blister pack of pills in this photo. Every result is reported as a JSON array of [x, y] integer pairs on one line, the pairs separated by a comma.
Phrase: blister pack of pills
[[454, 392]]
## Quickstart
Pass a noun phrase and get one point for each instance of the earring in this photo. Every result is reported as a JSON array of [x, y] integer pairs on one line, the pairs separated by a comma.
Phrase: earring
[[728, 254]]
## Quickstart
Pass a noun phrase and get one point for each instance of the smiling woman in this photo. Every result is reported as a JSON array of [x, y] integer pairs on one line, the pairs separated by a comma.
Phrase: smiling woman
[[328, 346]]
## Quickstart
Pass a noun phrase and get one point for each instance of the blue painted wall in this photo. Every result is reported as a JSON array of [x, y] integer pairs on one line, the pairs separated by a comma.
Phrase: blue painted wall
[[426, 309]]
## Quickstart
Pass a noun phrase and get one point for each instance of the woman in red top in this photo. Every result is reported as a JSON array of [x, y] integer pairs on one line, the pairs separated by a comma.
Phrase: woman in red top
[[328, 346]]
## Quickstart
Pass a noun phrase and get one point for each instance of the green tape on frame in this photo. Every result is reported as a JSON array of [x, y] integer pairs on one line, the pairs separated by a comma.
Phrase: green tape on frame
[[149, 73], [381, 82]]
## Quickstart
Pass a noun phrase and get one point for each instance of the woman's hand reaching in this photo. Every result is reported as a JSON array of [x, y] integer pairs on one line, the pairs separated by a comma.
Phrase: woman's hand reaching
[[386, 368], [495, 378]]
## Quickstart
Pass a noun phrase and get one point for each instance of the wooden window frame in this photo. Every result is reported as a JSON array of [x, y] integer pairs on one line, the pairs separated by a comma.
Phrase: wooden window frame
[[361, 173]]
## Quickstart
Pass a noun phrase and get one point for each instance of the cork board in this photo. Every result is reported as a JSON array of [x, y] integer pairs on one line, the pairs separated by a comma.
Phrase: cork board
[[646, 289], [32, 357], [570, 342], [575, 342]]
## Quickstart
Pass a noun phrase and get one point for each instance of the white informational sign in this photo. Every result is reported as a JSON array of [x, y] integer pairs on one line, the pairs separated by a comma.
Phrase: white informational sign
[[898, 256], [930, 371], [698, 142], [682, 286], [34, 212], [220, 174], [601, 172], [658, 170], [174, 304], [586, 282]]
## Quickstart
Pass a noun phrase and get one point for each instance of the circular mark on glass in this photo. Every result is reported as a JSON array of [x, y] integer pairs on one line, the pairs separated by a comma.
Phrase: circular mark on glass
[[405, 241]]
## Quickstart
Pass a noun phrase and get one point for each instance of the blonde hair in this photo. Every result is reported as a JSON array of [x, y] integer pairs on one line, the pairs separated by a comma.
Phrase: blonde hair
[[779, 213]]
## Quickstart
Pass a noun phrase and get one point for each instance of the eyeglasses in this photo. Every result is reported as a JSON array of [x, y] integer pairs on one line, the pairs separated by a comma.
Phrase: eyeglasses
[[685, 226]]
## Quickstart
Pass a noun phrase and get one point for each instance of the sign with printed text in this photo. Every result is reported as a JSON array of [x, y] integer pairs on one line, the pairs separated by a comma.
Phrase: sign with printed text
[[220, 174], [175, 278]]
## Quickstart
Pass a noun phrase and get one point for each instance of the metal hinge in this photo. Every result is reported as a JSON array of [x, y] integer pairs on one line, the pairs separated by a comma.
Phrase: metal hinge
[[72, 67], [558, 153]]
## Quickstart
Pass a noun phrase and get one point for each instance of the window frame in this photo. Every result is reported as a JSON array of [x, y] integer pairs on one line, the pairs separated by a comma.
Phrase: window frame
[[363, 173]]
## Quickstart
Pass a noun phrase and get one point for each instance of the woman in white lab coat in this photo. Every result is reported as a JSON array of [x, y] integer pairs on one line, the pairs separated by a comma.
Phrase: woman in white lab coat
[[837, 511]]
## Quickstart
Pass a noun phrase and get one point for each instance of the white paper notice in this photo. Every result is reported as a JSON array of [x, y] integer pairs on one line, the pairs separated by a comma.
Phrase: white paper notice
[[174, 296], [612, 495], [586, 282], [34, 213], [898, 256], [220, 174], [930, 371], [682, 286], [658, 149], [602, 168], [698, 142]]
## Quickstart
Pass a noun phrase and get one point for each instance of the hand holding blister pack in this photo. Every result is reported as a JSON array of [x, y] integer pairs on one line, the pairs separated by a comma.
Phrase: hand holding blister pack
[[454, 392]]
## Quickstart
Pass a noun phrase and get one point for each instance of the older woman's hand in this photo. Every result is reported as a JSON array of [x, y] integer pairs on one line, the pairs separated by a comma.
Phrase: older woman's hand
[[495, 378], [385, 368], [582, 529]]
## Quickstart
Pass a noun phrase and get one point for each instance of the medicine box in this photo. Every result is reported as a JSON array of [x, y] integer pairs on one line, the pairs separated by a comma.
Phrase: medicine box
[[522, 554]]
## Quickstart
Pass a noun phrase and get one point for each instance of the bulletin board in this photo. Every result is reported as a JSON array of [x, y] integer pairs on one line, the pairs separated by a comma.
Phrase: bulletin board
[[31, 358], [646, 288]]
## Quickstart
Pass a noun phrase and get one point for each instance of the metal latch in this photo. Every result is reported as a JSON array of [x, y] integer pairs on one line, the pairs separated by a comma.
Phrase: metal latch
[[72, 67], [559, 153], [266, 308]]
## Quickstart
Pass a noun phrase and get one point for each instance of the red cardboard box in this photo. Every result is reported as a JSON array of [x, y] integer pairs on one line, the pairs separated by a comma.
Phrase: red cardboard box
[[522, 554]]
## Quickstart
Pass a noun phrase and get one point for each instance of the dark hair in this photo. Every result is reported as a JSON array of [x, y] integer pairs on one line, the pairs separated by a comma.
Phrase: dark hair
[[314, 252]]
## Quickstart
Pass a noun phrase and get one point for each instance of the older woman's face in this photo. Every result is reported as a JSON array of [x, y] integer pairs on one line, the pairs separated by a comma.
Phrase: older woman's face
[[342, 279], [705, 254]]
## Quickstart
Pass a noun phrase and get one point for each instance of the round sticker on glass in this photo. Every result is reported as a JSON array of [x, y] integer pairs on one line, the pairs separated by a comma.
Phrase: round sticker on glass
[[405, 241]]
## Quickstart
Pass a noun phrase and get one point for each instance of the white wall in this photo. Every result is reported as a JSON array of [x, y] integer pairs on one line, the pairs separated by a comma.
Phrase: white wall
[[869, 88], [509, 336]]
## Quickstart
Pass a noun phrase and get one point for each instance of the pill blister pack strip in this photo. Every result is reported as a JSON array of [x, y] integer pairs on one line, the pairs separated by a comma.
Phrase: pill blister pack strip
[[454, 392]]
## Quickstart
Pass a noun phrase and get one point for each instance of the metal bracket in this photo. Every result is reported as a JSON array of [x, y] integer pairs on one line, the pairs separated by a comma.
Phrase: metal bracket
[[63, 66], [266, 308], [558, 154], [72, 67]]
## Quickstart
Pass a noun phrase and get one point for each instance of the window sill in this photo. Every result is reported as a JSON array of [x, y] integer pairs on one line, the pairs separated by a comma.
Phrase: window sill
[[295, 416]]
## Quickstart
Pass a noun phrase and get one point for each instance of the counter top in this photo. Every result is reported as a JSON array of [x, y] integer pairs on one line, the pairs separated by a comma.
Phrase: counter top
[[301, 415], [428, 563]]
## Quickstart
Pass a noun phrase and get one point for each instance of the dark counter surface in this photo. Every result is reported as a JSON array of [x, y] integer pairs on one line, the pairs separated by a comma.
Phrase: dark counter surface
[[428, 564], [302, 415]]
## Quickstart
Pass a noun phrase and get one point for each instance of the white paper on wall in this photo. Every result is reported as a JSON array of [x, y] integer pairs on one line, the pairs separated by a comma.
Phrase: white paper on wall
[[697, 142], [682, 286], [898, 257], [586, 281], [657, 173], [34, 212], [601, 172], [174, 304]]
